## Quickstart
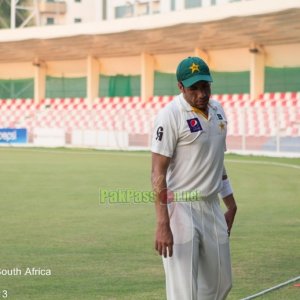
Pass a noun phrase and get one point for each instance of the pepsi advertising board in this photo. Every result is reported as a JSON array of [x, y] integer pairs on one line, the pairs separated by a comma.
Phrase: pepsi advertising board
[[13, 135]]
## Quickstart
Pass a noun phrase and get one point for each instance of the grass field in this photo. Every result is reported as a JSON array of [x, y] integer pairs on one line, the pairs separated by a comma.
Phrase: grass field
[[51, 219]]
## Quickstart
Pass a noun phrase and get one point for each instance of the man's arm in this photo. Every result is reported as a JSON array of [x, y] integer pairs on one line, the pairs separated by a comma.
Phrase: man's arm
[[164, 236], [230, 204]]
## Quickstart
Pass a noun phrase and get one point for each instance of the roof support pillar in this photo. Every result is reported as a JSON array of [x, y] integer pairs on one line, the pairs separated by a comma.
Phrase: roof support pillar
[[147, 78], [39, 80], [202, 54], [92, 78], [110, 12], [257, 71]]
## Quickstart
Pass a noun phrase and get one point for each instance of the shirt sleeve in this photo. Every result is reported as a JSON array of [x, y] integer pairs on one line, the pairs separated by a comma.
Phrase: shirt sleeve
[[165, 134]]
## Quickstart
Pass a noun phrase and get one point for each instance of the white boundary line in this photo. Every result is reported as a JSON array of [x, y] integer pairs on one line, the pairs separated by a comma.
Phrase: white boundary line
[[258, 162], [76, 151], [272, 288]]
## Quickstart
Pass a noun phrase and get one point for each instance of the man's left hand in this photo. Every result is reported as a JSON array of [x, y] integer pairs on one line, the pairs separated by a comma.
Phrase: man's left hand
[[231, 211]]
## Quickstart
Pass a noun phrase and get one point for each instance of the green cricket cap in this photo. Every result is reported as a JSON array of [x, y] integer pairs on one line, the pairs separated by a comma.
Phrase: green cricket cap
[[191, 70]]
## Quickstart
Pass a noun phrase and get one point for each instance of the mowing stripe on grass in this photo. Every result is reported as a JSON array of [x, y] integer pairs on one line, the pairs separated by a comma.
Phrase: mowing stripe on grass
[[132, 153], [276, 287]]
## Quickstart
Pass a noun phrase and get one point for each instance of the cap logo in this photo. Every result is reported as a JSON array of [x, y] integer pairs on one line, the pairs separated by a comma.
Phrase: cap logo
[[194, 67]]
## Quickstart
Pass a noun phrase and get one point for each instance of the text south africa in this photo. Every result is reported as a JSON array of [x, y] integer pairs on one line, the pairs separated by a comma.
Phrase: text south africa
[[25, 272]]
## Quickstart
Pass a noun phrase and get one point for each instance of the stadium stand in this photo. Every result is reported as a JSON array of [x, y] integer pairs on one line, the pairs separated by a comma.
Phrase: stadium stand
[[260, 120]]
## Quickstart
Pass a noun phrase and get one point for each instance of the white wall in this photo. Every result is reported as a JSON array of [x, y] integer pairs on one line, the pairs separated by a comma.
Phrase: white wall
[[120, 65], [71, 68], [167, 63], [231, 60], [283, 55], [85, 10], [16, 70]]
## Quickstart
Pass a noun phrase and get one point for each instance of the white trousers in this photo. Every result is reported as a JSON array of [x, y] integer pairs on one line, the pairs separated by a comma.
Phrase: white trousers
[[200, 268]]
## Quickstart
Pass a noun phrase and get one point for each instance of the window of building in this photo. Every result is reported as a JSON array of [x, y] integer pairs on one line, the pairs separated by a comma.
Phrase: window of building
[[193, 3], [77, 0], [155, 7], [173, 5], [124, 11], [142, 9], [50, 21], [77, 20], [104, 10]]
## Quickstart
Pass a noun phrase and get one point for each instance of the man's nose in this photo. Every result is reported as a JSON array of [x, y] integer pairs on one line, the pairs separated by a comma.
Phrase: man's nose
[[202, 93]]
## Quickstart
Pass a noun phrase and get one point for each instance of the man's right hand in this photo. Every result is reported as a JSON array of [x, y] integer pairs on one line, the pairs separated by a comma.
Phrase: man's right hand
[[164, 240], [164, 236]]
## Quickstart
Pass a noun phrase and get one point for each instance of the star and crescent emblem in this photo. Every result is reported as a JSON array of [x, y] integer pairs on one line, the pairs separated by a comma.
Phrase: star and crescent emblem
[[194, 67], [222, 126]]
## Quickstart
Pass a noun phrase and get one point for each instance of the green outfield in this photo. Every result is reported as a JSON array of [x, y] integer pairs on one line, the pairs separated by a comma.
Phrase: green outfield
[[51, 219]]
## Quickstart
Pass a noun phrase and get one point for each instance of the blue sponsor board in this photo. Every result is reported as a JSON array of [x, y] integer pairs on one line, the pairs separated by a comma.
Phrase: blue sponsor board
[[13, 135]]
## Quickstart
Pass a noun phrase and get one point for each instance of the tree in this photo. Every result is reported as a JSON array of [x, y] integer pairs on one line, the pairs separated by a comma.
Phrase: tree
[[21, 14]]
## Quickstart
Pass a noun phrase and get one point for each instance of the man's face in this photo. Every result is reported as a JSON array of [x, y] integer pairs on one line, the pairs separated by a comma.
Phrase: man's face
[[197, 95]]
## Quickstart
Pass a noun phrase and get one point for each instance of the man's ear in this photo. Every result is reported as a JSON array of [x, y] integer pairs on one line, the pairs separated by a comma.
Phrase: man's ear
[[180, 85]]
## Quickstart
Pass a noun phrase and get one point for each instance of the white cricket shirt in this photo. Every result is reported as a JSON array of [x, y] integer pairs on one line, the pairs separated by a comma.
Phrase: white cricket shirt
[[195, 145]]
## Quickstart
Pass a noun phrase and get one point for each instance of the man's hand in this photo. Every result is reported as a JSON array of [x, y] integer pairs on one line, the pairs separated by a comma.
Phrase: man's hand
[[231, 211], [164, 236], [164, 240]]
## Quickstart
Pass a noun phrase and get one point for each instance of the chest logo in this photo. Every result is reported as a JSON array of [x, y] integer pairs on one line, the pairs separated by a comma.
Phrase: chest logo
[[222, 126], [219, 116], [194, 125]]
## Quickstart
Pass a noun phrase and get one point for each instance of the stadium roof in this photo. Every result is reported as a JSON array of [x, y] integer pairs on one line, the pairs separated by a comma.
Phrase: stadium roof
[[235, 25]]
